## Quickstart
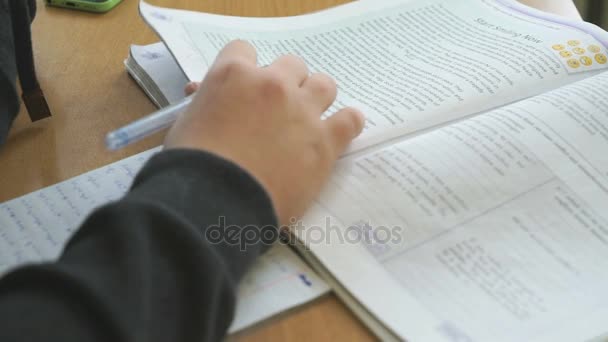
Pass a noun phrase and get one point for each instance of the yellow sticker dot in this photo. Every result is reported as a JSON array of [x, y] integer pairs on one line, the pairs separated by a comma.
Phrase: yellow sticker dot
[[559, 47], [574, 63], [594, 48], [566, 54], [579, 51], [601, 58], [587, 61], [574, 43]]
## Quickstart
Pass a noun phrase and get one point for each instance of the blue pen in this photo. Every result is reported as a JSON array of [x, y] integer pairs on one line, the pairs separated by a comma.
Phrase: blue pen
[[146, 126]]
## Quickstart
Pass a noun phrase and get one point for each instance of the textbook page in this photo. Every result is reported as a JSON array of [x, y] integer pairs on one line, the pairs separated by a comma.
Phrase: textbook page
[[494, 228], [408, 65], [36, 226]]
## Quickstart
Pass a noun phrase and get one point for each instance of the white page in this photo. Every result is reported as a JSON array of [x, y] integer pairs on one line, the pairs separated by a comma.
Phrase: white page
[[499, 224], [565, 8], [36, 226], [409, 65]]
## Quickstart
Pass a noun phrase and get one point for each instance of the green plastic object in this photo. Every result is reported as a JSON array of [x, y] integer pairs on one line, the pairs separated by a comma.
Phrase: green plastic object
[[99, 6]]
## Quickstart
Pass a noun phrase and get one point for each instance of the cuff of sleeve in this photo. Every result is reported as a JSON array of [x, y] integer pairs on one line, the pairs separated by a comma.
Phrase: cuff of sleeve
[[227, 204]]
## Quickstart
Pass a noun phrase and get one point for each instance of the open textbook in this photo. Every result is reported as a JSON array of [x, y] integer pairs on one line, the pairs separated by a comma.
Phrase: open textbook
[[474, 207], [409, 65]]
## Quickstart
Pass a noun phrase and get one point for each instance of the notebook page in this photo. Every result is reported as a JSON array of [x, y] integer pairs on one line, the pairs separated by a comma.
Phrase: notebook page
[[36, 226], [491, 229], [408, 65]]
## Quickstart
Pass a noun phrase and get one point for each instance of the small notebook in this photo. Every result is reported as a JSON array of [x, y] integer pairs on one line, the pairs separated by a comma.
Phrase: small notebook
[[157, 73], [36, 226]]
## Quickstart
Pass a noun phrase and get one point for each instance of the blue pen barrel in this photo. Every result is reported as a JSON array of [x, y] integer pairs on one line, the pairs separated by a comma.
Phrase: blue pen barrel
[[146, 126]]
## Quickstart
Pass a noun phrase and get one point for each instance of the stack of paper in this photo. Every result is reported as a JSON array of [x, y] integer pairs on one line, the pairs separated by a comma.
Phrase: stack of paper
[[156, 72]]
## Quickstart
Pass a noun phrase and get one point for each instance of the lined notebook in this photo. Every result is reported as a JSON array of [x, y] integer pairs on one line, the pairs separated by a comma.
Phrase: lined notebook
[[36, 226]]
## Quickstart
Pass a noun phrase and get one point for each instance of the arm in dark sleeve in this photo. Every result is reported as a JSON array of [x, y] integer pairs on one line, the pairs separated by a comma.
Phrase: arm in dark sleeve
[[142, 268], [9, 101]]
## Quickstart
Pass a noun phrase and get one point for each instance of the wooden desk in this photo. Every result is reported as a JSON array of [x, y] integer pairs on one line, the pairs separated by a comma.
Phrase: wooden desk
[[79, 59]]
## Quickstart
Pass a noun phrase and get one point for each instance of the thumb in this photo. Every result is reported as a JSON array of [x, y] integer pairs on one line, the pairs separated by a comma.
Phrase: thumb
[[343, 127]]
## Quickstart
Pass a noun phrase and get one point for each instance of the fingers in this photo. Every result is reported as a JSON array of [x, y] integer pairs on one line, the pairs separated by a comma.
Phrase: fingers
[[292, 67], [321, 90], [191, 88], [237, 50], [343, 127]]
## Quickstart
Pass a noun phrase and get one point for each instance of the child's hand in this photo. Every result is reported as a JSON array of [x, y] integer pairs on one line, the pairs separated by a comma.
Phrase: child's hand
[[268, 121]]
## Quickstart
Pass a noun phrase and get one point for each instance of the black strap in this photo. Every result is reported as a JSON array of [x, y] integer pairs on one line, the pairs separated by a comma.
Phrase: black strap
[[23, 13]]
